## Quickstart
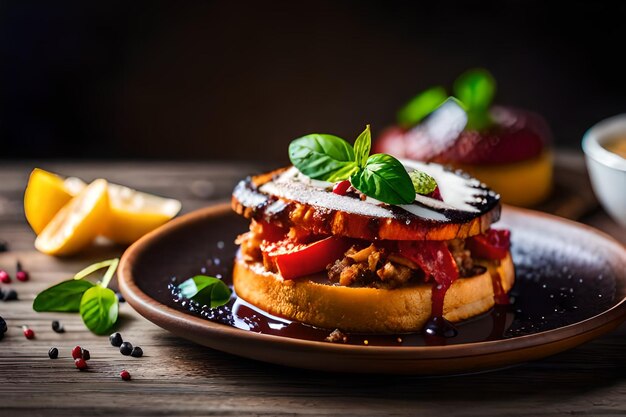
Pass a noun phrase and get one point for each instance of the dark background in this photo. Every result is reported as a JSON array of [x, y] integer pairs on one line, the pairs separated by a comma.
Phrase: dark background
[[237, 80]]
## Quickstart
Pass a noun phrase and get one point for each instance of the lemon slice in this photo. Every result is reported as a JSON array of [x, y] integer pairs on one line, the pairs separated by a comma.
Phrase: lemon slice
[[45, 194], [133, 213], [77, 224]]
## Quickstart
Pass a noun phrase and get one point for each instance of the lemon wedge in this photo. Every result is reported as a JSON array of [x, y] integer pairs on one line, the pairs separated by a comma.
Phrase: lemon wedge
[[45, 194], [133, 213], [78, 222]]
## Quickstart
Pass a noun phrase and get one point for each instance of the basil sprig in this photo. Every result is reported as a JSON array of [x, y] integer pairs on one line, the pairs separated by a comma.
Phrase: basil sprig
[[384, 178], [206, 290], [323, 156], [475, 89], [330, 158], [98, 305]]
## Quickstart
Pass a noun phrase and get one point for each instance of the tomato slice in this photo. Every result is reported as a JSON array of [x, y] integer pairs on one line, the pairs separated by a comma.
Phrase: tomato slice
[[434, 258], [294, 260], [341, 187], [493, 244]]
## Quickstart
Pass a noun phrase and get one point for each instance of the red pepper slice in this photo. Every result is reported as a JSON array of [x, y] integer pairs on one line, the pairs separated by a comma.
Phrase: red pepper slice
[[295, 260], [434, 258], [493, 244]]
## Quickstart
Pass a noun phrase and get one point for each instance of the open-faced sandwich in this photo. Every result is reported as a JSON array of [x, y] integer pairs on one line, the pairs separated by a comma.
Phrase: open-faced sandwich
[[505, 147], [367, 243]]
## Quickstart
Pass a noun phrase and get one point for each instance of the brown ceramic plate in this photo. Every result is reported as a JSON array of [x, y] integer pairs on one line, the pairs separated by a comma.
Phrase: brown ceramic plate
[[570, 288]]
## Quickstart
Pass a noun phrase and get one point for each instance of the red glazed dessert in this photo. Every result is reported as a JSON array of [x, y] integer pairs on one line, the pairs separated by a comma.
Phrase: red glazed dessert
[[505, 147]]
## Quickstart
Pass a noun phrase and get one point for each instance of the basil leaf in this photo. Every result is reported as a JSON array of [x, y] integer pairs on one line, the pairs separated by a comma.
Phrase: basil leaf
[[362, 147], [422, 182], [421, 106], [475, 88], [384, 178], [322, 157], [64, 296], [206, 290], [343, 173], [99, 308]]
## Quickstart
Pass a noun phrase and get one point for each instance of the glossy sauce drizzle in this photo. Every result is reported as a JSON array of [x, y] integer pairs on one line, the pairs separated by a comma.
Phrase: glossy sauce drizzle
[[437, 329], [500, 297]]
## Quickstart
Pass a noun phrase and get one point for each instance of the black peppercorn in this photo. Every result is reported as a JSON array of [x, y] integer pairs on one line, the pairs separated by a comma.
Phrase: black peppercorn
[[120, 297], [10, 295], [116, 339], [85, 354], [126, 348], [137, 352], [53, 353], [57, 326]]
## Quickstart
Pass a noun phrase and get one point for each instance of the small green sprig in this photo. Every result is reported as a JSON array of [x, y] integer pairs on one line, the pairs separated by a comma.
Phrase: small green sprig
[[97, 304], [330, 158], [475, 89]]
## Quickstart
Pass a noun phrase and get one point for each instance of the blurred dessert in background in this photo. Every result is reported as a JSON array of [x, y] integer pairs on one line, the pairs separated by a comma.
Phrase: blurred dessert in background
[[505, 147]]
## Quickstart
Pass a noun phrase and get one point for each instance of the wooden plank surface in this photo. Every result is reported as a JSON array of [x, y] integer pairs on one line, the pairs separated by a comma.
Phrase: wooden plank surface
[[176, 377]]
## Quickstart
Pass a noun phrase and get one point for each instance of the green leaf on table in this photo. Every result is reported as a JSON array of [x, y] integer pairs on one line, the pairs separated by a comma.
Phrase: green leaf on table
[[362, 147], [421, 106], [384, 178], [99, 309], [422, 182], [323, 157], [206, 290], [64, 297]]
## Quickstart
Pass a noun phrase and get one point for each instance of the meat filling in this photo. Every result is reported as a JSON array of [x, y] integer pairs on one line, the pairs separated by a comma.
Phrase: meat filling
[[363, 266], [371, 267]]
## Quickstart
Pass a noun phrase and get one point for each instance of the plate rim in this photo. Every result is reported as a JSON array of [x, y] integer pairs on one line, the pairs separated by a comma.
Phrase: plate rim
[[146, 305]]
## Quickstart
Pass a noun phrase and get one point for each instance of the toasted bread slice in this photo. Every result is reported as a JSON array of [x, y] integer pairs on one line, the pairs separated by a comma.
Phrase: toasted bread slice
[[368, 310], [288, 198]]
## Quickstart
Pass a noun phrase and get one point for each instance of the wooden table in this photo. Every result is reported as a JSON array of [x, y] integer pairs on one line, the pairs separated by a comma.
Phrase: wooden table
[[176, 377]]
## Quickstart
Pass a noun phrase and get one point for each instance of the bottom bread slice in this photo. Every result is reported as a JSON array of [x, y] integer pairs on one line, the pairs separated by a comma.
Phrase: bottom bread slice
[[368, 310]]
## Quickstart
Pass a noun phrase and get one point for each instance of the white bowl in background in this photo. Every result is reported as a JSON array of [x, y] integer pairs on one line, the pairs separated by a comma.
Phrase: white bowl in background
[[607, 170]]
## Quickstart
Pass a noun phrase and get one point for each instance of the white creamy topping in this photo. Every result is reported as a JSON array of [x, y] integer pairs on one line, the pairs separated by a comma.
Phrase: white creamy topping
[[293, 185], [458, 193]]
